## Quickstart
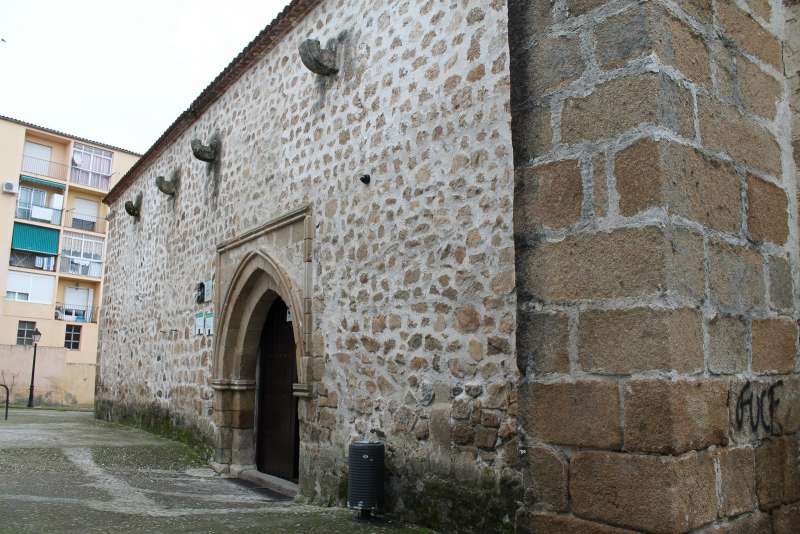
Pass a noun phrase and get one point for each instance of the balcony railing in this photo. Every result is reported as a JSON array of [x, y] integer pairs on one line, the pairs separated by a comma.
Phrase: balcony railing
[[81, 267], [89, 178], [76, 313], [31, 260], [32, 212], [82, 221], [43, 167]]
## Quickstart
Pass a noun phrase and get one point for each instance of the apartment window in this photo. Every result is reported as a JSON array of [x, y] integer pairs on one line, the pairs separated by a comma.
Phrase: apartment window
[[84, 214], [31, 260], [91, 166], [81, 254], [29, 196], [36, 288], [32, 204], [38, 151], [25, 332], [77, 305], [72, 338], [37, 158], [30, 200]]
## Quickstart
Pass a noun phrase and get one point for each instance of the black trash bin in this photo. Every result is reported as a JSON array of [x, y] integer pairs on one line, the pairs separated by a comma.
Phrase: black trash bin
[[365, 481]]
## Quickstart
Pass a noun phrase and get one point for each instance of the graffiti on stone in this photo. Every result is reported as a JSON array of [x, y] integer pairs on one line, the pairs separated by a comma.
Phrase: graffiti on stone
[[756, 406]]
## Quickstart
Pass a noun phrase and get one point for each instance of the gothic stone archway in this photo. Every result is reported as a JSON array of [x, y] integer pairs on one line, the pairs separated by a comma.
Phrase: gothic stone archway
[[252, 282]]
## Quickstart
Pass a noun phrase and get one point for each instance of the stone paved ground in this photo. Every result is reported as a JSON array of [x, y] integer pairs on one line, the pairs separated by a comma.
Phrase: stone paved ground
[[65, 472]]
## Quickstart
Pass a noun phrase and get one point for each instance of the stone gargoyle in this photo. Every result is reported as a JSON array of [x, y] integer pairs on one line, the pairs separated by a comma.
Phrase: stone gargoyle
[[134, 208], [207, 153], [169, 186], [318, 60]]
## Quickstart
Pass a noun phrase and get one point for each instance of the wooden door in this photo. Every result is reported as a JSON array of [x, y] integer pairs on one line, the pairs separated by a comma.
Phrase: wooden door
[[277, 442]]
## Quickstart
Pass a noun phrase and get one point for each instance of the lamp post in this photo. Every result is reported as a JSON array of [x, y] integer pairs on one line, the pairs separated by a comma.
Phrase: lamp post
[[36, 337]]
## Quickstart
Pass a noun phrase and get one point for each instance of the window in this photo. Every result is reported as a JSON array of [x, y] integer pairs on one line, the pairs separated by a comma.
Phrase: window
[[36, 288], [32, 197], [81, 254], [25, 332], [91, 166], [72, 338], [77, 304], [16, 295], [81, 246], [32, 205], [31, 200], [36, 158], [37, 150], [84, 214], [31, 260]]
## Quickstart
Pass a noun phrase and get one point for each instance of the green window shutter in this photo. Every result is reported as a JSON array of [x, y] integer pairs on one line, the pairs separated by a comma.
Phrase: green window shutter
[[39, 181], [35, 239]]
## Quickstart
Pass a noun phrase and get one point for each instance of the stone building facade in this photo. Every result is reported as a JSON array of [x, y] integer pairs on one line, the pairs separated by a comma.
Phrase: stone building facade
[[656, 249], [545, 250]]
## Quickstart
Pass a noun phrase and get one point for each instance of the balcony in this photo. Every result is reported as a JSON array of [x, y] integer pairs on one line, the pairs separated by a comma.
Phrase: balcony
[[81, 267], [43, 167], [83, 221], [88, 178], [76, 313], [31, 260], [32, 212]]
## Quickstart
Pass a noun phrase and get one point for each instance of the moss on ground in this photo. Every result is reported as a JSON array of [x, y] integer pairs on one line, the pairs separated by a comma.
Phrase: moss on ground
[[169, 457], [159, 421]]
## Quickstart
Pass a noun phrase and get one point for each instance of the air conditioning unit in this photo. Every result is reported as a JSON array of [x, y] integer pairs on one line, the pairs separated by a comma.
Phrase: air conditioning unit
[[9, 187]]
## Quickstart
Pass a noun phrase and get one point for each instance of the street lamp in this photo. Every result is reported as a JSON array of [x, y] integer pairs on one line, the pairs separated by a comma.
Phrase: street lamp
[[36, 337]]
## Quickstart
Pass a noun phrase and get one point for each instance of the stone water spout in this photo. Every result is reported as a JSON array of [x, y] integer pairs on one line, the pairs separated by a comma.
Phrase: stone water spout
[[134, 208], [318, 60], [169, 186], [207, 153]]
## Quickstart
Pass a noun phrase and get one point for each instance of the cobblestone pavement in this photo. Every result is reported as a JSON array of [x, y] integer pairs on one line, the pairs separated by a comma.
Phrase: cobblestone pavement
[[65, 472]]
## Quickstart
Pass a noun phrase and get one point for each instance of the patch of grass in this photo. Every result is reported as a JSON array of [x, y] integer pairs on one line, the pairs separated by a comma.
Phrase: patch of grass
[[172, 458], [156, 420]]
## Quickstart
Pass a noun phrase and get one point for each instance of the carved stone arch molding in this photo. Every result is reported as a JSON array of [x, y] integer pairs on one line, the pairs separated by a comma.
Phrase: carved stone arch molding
[[253, 270], [257, 282]]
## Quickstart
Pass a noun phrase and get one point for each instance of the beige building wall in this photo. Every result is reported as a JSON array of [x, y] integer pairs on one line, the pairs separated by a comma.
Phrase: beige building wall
[[63, 377], [12, 140]]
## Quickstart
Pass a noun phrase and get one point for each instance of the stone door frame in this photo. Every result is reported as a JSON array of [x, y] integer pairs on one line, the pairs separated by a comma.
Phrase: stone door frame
[[243, 304]]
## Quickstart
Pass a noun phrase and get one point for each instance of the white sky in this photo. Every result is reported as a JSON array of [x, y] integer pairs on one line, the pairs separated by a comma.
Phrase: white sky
[[118, 72]]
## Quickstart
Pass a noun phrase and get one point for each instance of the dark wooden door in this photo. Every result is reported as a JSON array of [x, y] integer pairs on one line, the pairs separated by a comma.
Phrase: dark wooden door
[[277, 443]]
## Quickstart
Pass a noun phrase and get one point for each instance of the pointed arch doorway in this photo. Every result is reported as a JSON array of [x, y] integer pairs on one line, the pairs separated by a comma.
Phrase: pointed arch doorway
[[260, 366], [277, 429]]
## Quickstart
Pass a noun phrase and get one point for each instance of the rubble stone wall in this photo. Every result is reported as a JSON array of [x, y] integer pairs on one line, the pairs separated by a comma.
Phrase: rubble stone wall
[[657, 261], [593, 332], [413, 275]]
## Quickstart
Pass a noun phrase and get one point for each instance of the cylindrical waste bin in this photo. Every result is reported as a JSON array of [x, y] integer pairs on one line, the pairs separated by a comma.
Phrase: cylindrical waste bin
[[365, 481]]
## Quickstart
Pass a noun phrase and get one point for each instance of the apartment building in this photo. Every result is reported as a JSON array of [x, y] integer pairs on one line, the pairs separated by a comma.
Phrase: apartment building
[[52, 249]]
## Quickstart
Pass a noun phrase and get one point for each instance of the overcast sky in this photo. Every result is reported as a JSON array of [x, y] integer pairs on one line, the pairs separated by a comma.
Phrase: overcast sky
[[116, 72]]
